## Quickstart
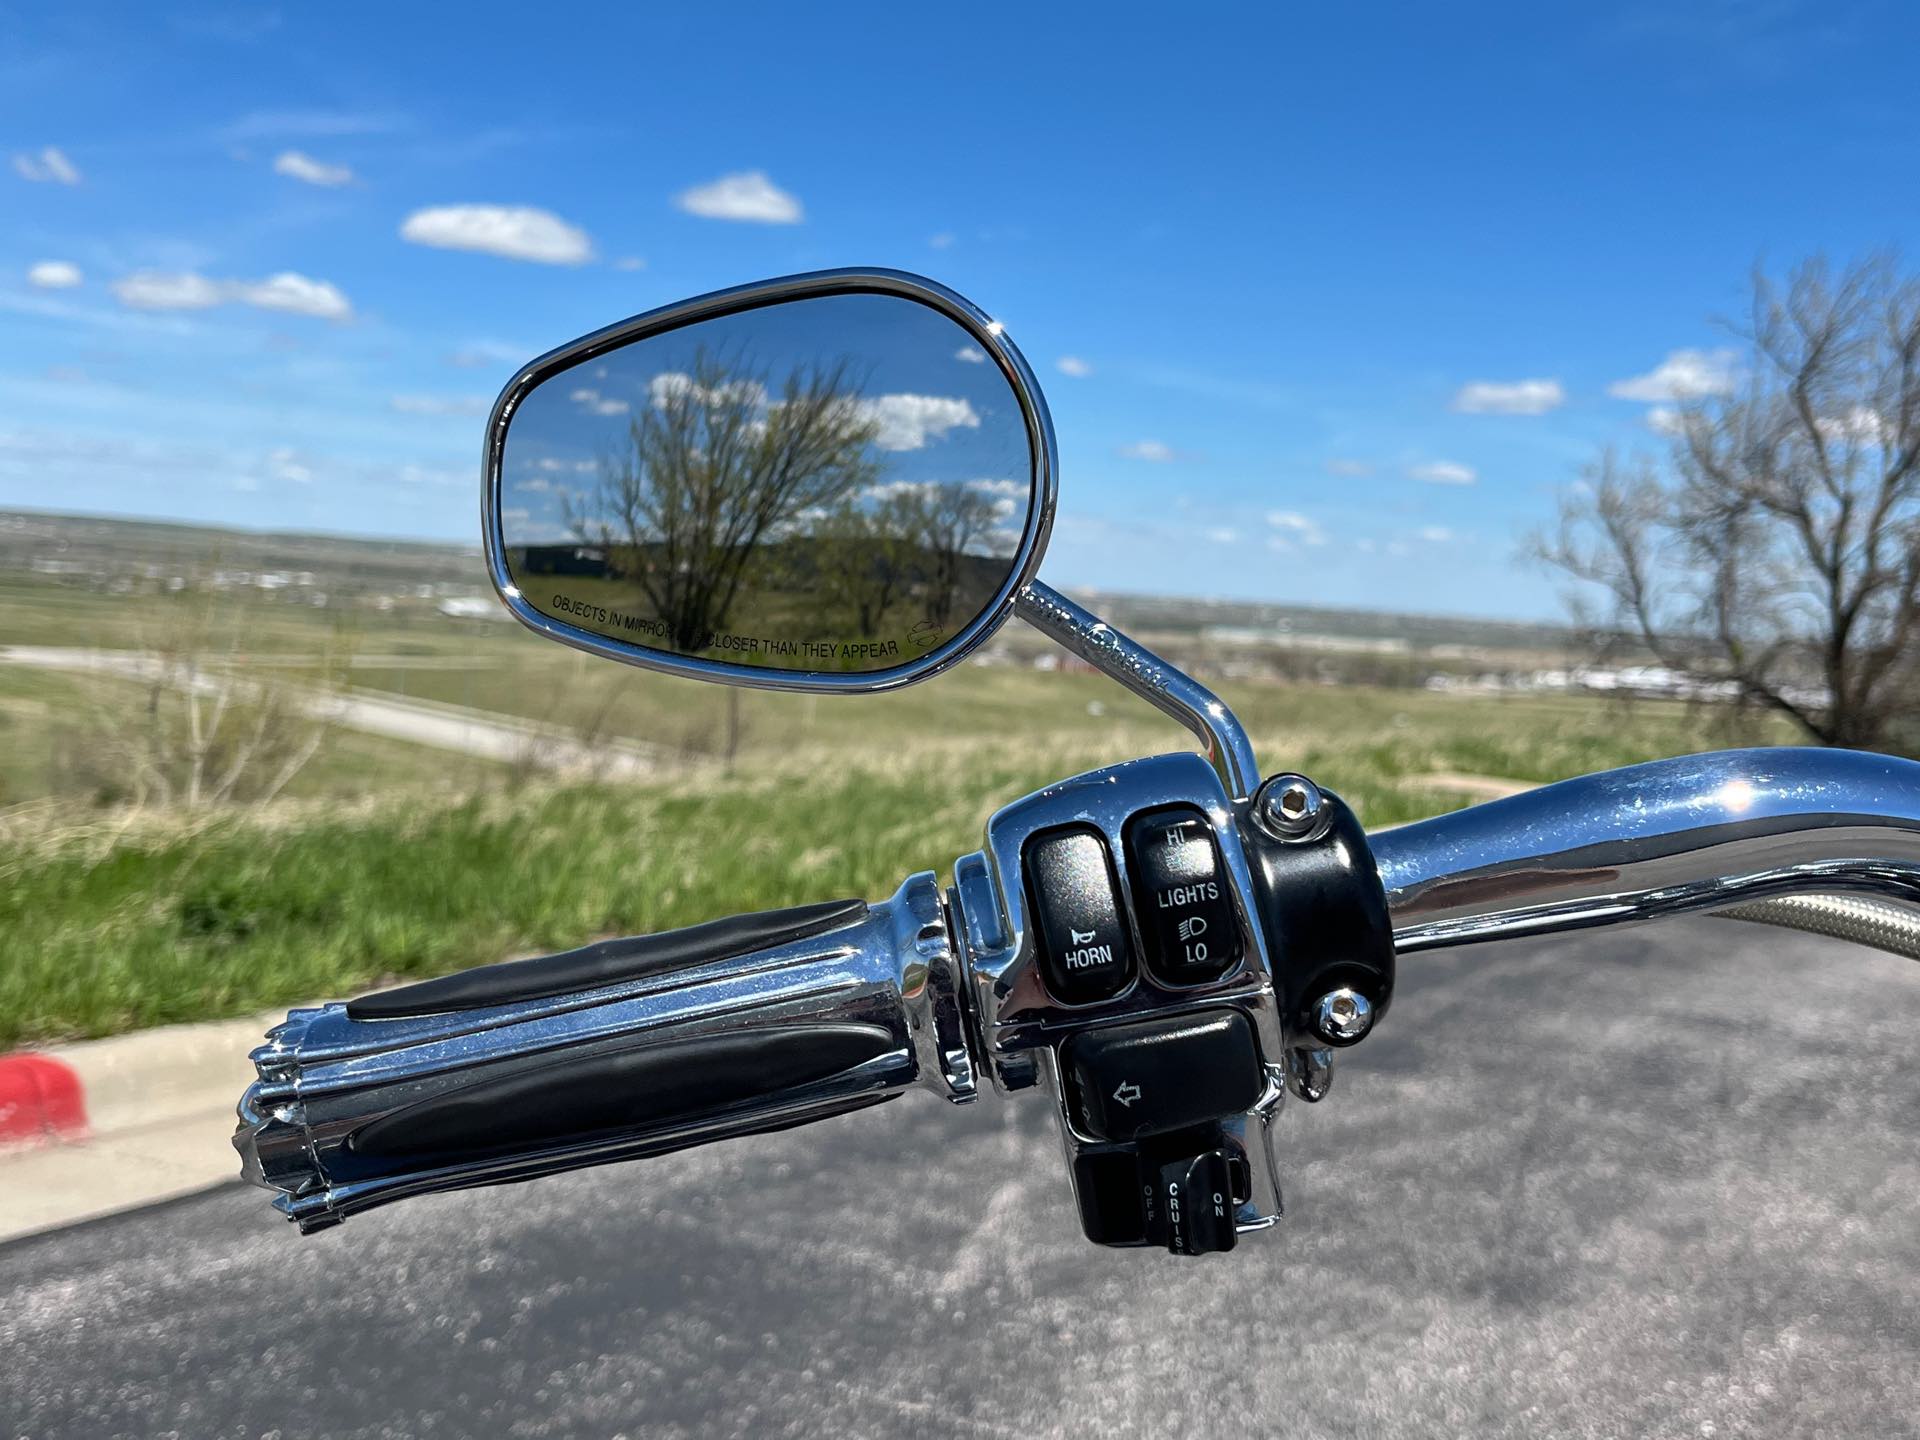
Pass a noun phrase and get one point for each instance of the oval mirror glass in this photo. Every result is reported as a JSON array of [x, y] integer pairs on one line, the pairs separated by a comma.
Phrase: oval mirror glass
[[836, 486]]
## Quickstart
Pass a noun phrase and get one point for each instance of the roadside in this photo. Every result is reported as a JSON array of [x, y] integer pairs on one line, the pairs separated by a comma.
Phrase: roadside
[[1477, 788], [154, 1121], [484, 734]]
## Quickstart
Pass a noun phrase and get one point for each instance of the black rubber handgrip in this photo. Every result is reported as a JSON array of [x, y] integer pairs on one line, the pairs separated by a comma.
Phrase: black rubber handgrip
[[651, 1087], [608, 962]]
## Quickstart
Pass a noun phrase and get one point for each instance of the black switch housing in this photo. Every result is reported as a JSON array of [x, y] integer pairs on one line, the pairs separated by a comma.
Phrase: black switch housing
[[1086, 953], [1182, 896]]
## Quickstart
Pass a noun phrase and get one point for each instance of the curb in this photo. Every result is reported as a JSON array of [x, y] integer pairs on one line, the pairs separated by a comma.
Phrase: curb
[[101, 1126], [41, 1100]]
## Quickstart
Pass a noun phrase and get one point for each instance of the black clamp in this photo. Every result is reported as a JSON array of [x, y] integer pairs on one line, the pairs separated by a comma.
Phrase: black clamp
[[1319, 901]]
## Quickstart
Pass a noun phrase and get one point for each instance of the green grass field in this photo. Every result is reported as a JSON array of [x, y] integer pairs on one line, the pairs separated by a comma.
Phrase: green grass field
[[386, 859], [40, 708], [109, 929]]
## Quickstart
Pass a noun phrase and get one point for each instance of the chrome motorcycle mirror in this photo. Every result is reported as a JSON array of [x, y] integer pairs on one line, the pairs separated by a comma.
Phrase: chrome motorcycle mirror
[[837, 481]]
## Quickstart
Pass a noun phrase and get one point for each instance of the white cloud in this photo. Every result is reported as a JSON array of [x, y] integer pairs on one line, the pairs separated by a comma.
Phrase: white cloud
[[310, 124], [973, 355], [1443, 472], [49, 166], [298, 165], [907, 422], [411, 474], [186, 290], [1435, 534], [903, 422], [1665, 420], [1859, 425], [1223, 535], [943, 241], [1010, 488], [594, 403], [159, 290], [665, 388], [295, 294], [889, 489], [749, 196], [515, 232], [540, 485], [53, 275], [1073, 365], [630, 262], [1349, 469], [1509, 397], [476, 353], [437, 405], [1683, 375], [1154, 450], [1292, 528], [284, 463]]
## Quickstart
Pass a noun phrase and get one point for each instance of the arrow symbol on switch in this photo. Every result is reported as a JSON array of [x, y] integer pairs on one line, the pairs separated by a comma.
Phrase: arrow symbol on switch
[[1127, 1093]]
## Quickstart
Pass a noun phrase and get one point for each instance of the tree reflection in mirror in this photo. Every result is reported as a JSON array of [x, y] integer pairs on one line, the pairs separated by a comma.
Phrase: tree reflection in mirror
[[838, 483]]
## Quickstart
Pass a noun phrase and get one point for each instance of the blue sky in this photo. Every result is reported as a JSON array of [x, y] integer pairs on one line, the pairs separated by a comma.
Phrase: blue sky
[[1328, 300]]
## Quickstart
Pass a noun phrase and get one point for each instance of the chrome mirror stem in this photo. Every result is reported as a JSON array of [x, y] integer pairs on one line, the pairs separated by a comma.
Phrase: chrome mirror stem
[[1164, 686]]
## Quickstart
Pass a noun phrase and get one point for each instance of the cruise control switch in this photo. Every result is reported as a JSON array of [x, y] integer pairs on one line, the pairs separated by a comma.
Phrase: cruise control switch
[[1165, 1194]]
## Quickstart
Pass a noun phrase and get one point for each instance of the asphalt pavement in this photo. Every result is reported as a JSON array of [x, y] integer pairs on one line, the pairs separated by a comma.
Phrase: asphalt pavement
[[1660, 1182]]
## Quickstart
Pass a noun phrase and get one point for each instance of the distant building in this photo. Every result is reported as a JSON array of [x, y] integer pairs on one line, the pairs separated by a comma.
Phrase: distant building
[[564, 560], [473, 607]]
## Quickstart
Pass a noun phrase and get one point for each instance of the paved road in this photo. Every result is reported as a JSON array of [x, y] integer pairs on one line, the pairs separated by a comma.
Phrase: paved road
[[484, 733], [1658, 1183]]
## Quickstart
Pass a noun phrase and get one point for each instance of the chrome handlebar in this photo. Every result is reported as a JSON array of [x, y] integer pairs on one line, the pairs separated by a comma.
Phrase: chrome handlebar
[[483, 1078], [1693, 834], [352, 1111]]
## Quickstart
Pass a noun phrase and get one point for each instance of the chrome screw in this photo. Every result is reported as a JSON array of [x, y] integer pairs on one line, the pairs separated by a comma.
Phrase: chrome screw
[[1342, 1016], [1288, 807]]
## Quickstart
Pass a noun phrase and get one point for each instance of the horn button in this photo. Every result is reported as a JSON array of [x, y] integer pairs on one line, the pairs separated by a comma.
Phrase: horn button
[[1086, 954]]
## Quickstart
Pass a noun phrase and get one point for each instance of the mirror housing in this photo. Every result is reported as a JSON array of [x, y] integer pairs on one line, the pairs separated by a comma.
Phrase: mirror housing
[[563, 619]]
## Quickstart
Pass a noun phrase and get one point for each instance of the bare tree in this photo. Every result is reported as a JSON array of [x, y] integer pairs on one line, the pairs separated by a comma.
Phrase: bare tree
[[908, 540], [865, 555], [716, 467], [1777, 551], [957, 521], [206, 727]]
